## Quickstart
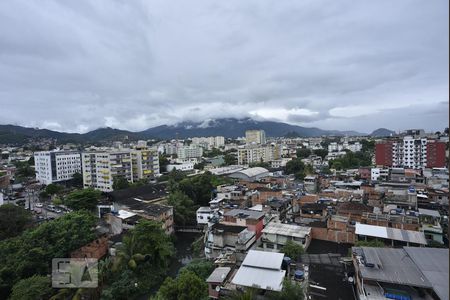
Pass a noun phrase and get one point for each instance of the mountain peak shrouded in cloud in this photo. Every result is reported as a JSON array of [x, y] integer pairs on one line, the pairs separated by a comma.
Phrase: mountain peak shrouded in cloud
[[340, 65]]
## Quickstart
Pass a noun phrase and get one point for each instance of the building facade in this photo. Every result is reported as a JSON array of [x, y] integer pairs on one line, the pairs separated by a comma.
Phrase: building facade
[[100, 168], [256, 154], [255, 137], [193, 151], [410, 152], [56, 166]]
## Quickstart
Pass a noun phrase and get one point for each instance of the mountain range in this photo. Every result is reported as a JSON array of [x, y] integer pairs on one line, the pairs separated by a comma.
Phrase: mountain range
[[229, 127]]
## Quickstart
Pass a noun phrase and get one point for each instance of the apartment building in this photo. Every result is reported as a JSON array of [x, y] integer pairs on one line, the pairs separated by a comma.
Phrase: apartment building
[[255, 137], [101, 167], [192, 151], [209, 142], [256, 154], [56, 166], [410, 152]]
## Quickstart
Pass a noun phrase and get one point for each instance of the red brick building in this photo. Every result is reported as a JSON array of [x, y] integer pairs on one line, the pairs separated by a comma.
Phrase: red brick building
[[435, 154], [383, 154]]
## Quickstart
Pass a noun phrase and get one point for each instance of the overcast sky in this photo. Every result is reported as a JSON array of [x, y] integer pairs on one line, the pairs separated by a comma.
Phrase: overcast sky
[[346, 65]]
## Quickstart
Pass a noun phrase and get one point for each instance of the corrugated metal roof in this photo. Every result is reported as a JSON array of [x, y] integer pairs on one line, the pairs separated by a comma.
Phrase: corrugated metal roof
[[391, 233], [262, 259], [429, 212], [259, 278], [244, 213], [392, 266], [434, 265], [287, 230]]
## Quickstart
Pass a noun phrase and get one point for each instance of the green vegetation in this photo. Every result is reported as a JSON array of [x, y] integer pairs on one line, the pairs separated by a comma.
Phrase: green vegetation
[[53, 189], [293, 250], [368, 145], [23, 170], [200, 267], [212, 153], [31, 252], [260, 164], [32, 288], [163, 162], [141, 262], [86, 199], [13, 220], [303, 153], [184, 208], [230, 158], [290, 291], [77, 180], [321, 152], [296, 167], [351, 161], [120, 183], [186, 286]]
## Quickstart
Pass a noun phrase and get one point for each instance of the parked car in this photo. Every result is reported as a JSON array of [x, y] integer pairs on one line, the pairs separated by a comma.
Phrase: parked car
[[39, 205], [58, 211]]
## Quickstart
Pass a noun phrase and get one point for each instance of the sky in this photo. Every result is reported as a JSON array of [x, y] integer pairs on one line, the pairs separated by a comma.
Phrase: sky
[[347, 65]]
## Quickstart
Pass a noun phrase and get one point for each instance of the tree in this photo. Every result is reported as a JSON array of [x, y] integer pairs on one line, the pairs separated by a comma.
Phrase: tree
[[83, 199], [53, 189], [145, 254], [13, 220], [303, 152], [124, 287], [368, 145], [200, 267], [290, 291], [198, 188], [184, 208], [163, 162], [32, 288], [23, 169], [30, 253], [296, 167], [321, 152], [77, 180], [120, 183], [293, 250], [229, 159], [187, 286]]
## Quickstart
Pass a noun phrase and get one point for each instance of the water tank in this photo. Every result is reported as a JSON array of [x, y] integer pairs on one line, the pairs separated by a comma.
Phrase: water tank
[[286, 262], [299, 275]]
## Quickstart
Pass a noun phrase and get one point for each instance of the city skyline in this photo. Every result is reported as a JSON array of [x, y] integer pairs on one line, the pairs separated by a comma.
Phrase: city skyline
[[75, 67]]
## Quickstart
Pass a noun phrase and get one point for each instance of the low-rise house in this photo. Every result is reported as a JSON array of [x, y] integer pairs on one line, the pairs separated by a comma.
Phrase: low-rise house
[[222, 238], [261, 270], [276, 235], [431, 227], [405, 273], [216, 280], [204, 214], [253, 220]]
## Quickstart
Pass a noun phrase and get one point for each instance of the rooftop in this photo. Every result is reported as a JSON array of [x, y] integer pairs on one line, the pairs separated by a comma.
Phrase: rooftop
[[219, 275], [244, 214], [390, 265], [429, 212], [391, 233], [261, 270], [287, 229]]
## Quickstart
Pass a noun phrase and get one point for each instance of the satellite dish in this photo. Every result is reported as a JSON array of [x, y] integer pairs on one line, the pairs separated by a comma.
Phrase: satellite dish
[[217, 288]]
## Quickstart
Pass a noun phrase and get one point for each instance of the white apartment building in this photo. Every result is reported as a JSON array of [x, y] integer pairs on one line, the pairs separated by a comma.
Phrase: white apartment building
[[353, 147], [101, 167], [209, 142], [56, 166], [255, 154], [189, 152], [255, 137], [410, 153]]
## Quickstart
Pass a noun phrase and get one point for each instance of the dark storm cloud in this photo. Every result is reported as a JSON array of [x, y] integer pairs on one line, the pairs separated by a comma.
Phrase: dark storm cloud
[[79, 65]]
